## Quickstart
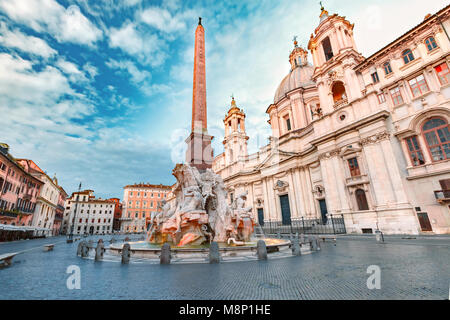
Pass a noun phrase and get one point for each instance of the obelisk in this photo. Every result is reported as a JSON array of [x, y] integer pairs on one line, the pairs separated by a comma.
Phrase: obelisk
[[199, 152]]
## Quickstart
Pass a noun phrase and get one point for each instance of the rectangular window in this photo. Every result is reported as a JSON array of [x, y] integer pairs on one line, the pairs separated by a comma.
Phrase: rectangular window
[[381, 98], [387, 68], [375, 78], [418, 85], [354, 167], [414, 151], [288, 124], [396, 96], [443, 73]]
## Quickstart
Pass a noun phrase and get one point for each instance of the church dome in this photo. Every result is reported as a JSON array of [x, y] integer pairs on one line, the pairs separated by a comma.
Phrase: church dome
[[298, 77]]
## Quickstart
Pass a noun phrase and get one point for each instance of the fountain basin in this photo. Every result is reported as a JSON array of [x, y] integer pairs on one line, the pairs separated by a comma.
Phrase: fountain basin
[[144, 249]]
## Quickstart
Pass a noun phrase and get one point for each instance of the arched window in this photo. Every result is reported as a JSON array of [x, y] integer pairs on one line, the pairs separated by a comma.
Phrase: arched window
[[437, 138], [430, 43], [361, 199], [407, 56], [387, 67], [338, 92]]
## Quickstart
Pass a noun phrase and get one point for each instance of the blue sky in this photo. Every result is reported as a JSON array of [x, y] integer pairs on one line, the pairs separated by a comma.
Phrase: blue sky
[[100, 91]]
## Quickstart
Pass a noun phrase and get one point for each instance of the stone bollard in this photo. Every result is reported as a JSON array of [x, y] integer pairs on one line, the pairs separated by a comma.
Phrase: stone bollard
[[84, 250], [126, 253], [315, 246], [99, 250], [296, 251], [302, 238], [80, 247], [379, 236], [214, 253], [261, 250], [165, 254]]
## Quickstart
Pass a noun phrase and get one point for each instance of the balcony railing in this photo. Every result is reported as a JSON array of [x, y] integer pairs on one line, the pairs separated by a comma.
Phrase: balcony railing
[[362, 178], [126, 219], [442, 195], [11, 214], [340, 103], [333, 225]]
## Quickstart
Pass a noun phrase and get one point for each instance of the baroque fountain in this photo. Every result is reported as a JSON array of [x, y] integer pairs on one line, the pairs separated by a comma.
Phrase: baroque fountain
[[197, 216]]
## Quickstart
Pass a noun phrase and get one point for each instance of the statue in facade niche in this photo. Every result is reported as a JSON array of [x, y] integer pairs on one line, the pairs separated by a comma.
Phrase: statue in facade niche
[[199, 212]]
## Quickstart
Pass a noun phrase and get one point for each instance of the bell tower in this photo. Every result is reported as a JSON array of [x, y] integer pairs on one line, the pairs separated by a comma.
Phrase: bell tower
[[298, 56], [335, 55], [235, 140]]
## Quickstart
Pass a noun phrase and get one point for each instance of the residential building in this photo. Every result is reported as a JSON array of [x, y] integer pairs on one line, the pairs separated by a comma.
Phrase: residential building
[[19, 191], [47, 202], [87, 214], [139, 202], [117, 213]]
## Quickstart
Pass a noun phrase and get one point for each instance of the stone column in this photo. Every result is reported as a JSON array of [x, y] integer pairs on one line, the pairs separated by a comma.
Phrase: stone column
[[292, 195], [379, 174], [308, 191], [394, 174], [300, 192], [340, 183], [266, 204], [250, 200], [275, 206], [330, 183]]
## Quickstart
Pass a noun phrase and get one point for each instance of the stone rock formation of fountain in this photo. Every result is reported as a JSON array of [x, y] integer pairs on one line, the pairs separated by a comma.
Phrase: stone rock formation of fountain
[[200, 213]]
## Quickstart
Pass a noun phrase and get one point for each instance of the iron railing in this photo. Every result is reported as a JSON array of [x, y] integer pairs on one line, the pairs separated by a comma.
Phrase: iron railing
[[333, 225]]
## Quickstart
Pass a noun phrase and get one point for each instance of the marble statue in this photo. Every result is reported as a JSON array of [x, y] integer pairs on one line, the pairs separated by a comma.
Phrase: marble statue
[[199, 213]]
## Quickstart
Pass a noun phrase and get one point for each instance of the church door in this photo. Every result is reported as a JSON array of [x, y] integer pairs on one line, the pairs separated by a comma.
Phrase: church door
[[323, 210], [425, 224], [285, 210], [261, 216]]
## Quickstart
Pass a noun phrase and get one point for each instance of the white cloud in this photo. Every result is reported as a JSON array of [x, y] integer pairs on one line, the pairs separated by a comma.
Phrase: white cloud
[[75, 27], [91, 70], [66, 25], [162, 19], [145, 46], [137, 76], [29, 44], [71, 70], [17, 78]]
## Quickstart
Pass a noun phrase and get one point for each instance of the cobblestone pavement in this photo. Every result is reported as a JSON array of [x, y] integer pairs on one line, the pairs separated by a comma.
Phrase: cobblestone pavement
[[410, 269]]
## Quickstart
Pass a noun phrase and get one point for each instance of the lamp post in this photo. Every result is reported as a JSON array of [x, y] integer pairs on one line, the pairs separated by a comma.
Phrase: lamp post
[[70, 237]]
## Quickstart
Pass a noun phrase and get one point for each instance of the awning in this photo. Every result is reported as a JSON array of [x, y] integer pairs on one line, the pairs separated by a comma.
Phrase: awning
[[8, 227]]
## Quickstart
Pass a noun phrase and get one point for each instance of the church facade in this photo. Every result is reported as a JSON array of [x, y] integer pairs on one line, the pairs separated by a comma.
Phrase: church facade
[[365, 138]]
